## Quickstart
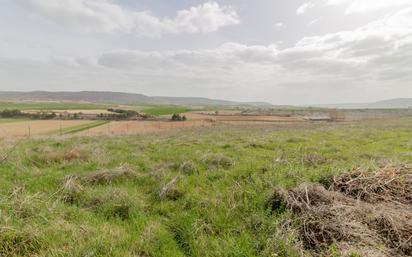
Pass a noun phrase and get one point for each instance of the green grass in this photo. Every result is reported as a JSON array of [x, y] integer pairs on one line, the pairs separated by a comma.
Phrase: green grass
[[216, 209], [164, 110], [51, 106], [2, 121], [80, 128]]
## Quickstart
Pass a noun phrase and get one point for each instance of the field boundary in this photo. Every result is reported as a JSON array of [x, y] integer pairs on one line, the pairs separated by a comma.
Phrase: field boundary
[[79, 128]]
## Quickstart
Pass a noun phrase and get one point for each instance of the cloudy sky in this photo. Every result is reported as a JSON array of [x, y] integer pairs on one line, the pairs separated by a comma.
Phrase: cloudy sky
[[280, 51]]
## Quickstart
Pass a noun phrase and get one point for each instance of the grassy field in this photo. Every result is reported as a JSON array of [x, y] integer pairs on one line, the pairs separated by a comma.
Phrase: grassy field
[[10, 120], [164, 110], [187, 193], [50, 106], [80, 128]]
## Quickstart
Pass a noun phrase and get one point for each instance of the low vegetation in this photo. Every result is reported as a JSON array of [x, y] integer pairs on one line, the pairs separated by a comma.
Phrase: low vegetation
[[17, 114], [164, 110], [178, 117], [308, 189]]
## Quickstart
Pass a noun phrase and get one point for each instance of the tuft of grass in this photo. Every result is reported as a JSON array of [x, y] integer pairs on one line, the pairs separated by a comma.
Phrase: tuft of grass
[[71, 189], [218, 161], [15, 243], [188, 168], [48, 155], [112, 203], [110, 176]]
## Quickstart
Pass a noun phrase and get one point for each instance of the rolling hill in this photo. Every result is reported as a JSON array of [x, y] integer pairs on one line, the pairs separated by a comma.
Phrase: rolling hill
[[397, 103], [118, 98]]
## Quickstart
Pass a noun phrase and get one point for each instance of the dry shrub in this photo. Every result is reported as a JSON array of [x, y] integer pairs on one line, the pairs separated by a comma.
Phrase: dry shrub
[[67, 155], [188, 167], [71, 189], [170, 191], [367, 214], [391, 183], [23, 205], [218, 161], [72, 186], [49, 155], [110, 176]]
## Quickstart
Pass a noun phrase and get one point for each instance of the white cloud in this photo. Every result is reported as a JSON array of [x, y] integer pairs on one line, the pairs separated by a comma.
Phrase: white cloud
[[378, 53], [334, 54], [361, 6], [226, 57], [314, 21], [106, 16], [279, 25], [304, 7]]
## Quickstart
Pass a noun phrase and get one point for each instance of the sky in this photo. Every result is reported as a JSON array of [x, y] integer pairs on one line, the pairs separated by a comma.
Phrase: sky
[[278, 51]]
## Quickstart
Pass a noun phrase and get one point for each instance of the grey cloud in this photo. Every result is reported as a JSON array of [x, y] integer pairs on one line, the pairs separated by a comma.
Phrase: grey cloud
[[361, 54], [105, 16]]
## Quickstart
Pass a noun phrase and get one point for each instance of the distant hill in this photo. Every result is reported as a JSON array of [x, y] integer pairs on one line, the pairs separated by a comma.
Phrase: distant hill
[[118, 98], [398, 103]]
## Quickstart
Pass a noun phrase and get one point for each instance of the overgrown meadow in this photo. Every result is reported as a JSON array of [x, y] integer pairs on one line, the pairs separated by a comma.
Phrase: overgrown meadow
[[200, 192]]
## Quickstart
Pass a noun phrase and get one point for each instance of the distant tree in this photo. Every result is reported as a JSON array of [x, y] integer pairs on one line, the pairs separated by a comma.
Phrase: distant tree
[[178, 117]]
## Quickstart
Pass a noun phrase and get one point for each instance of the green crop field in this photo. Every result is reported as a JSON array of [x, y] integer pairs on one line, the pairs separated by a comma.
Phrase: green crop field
[[197, 192], [164, 110], [10, 120], [80, 128]]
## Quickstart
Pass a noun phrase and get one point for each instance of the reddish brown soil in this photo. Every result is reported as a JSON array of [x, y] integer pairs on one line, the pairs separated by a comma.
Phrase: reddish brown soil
[[141, 127]]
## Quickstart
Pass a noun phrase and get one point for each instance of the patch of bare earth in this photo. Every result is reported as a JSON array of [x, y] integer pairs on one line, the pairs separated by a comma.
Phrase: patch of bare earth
[[359, 213]]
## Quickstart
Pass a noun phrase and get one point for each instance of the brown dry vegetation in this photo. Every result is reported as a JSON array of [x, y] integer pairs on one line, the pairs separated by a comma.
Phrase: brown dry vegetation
[[142, 127], [359, 212]]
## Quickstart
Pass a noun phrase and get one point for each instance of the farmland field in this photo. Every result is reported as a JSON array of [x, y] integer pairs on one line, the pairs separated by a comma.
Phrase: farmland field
[[192, 192], [10, 120], [141, 127], [164, 110], [235, 117], [26, 128]]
